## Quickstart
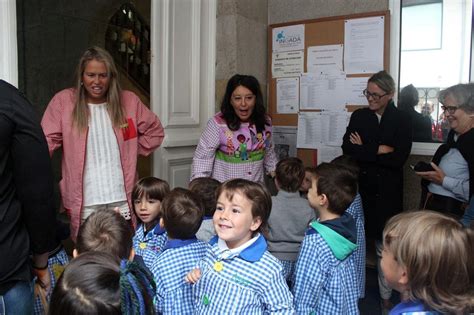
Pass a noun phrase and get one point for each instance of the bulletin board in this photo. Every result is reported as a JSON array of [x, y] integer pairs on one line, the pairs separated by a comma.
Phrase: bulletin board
[[323, 31]]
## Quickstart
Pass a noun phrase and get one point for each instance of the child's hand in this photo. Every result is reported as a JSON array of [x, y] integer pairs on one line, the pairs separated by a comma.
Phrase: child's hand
[[193, 276]]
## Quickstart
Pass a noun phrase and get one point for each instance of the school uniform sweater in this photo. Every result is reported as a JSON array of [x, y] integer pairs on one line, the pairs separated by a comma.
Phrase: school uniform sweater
[[325, 279], [173, 294], [412, 308], [149, 245], [357, 212], [248, 283]]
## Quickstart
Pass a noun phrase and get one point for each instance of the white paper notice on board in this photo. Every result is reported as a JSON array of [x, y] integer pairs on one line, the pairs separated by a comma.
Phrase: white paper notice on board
[[284, 140], [287, 64], [322, 91], [288, 90], [288, 38], [334, 127], [354, 88], [326, 154], [318, 129], [363, 45], [309, 130], [325, 59]]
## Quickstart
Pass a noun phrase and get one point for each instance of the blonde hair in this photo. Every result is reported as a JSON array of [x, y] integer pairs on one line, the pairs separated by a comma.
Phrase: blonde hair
[[383, 81], [438, 255], [80, 114]]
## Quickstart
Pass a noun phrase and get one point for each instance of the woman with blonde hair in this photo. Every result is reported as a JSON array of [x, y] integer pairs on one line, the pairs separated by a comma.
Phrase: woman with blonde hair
[[379, 138], [102, 130], [428, 257]]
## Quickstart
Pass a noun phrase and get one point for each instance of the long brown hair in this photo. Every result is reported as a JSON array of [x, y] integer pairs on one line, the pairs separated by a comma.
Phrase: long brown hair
[[80, 114]]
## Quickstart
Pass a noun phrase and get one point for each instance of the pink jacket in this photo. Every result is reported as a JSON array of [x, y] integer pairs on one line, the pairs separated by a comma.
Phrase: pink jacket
[[142, 135]]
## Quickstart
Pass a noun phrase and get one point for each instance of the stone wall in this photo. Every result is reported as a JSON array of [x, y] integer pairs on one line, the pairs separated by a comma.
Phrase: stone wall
[[52, 35], [241, 42], [280, 11]]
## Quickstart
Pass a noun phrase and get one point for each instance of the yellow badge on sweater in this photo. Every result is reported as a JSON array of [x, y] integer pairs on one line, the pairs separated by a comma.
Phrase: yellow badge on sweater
[[218, 266]]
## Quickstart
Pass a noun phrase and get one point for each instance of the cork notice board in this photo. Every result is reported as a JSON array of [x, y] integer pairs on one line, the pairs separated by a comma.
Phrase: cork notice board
[[317, 32]]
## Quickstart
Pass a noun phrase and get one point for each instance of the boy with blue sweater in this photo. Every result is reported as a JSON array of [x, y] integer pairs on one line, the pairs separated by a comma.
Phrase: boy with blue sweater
[[182, 213], [325, 278]]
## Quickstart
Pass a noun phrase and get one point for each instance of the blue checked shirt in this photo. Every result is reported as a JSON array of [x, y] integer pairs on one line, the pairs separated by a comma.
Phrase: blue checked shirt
[[324, 284], [153, 240], [56, 265], [357, 212], [288, 270], [173, 294], [248, 283], [149, 257]]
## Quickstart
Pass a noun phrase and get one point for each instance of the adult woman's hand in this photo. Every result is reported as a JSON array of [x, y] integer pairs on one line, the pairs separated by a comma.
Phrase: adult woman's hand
[[384, 149], [435, 176], [355, 138]]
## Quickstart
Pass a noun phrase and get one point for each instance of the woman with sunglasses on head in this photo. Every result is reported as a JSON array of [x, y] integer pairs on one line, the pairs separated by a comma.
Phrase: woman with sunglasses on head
[[449, 185], [237, 142], [379, 137]]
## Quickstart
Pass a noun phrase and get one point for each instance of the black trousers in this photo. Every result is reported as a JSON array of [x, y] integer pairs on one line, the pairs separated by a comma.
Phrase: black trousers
[[444, 204]]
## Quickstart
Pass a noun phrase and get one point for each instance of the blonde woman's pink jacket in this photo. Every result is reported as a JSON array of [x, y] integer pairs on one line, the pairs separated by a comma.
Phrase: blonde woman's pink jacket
[[141, 135]]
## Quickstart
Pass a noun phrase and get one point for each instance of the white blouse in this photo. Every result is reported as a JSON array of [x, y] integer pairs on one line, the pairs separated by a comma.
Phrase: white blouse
[[103, 175]]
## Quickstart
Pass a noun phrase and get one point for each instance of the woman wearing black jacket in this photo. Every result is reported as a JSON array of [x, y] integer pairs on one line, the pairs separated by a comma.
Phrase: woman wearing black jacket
[[379, 137]]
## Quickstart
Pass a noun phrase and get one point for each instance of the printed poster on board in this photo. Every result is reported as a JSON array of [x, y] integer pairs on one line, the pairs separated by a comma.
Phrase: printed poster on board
[[288, 38]]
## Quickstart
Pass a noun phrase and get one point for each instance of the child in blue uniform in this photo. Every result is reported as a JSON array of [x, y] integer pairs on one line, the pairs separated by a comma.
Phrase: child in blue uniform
[[357, 212], [57, 261], [149, 238], [325, 279], [108, 232], [429, 257], [105, 231], [100, 283], [205, 188], [182, 213], [238, 275]]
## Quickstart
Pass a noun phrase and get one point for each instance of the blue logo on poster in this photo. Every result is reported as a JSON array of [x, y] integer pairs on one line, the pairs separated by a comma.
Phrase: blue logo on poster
[[280, 37]]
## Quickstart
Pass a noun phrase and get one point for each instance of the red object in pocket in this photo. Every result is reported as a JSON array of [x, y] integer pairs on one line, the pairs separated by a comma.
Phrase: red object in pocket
[[128, 130]]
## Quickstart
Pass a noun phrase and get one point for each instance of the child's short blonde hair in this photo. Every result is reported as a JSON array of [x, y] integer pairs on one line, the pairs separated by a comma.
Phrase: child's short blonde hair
[[438, 255]]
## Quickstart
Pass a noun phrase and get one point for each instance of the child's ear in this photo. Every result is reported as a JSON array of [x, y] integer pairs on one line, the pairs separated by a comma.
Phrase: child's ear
[[322, 199], [75, 253], [256, 222], [162, 223], [403, 281], [132, 254]]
